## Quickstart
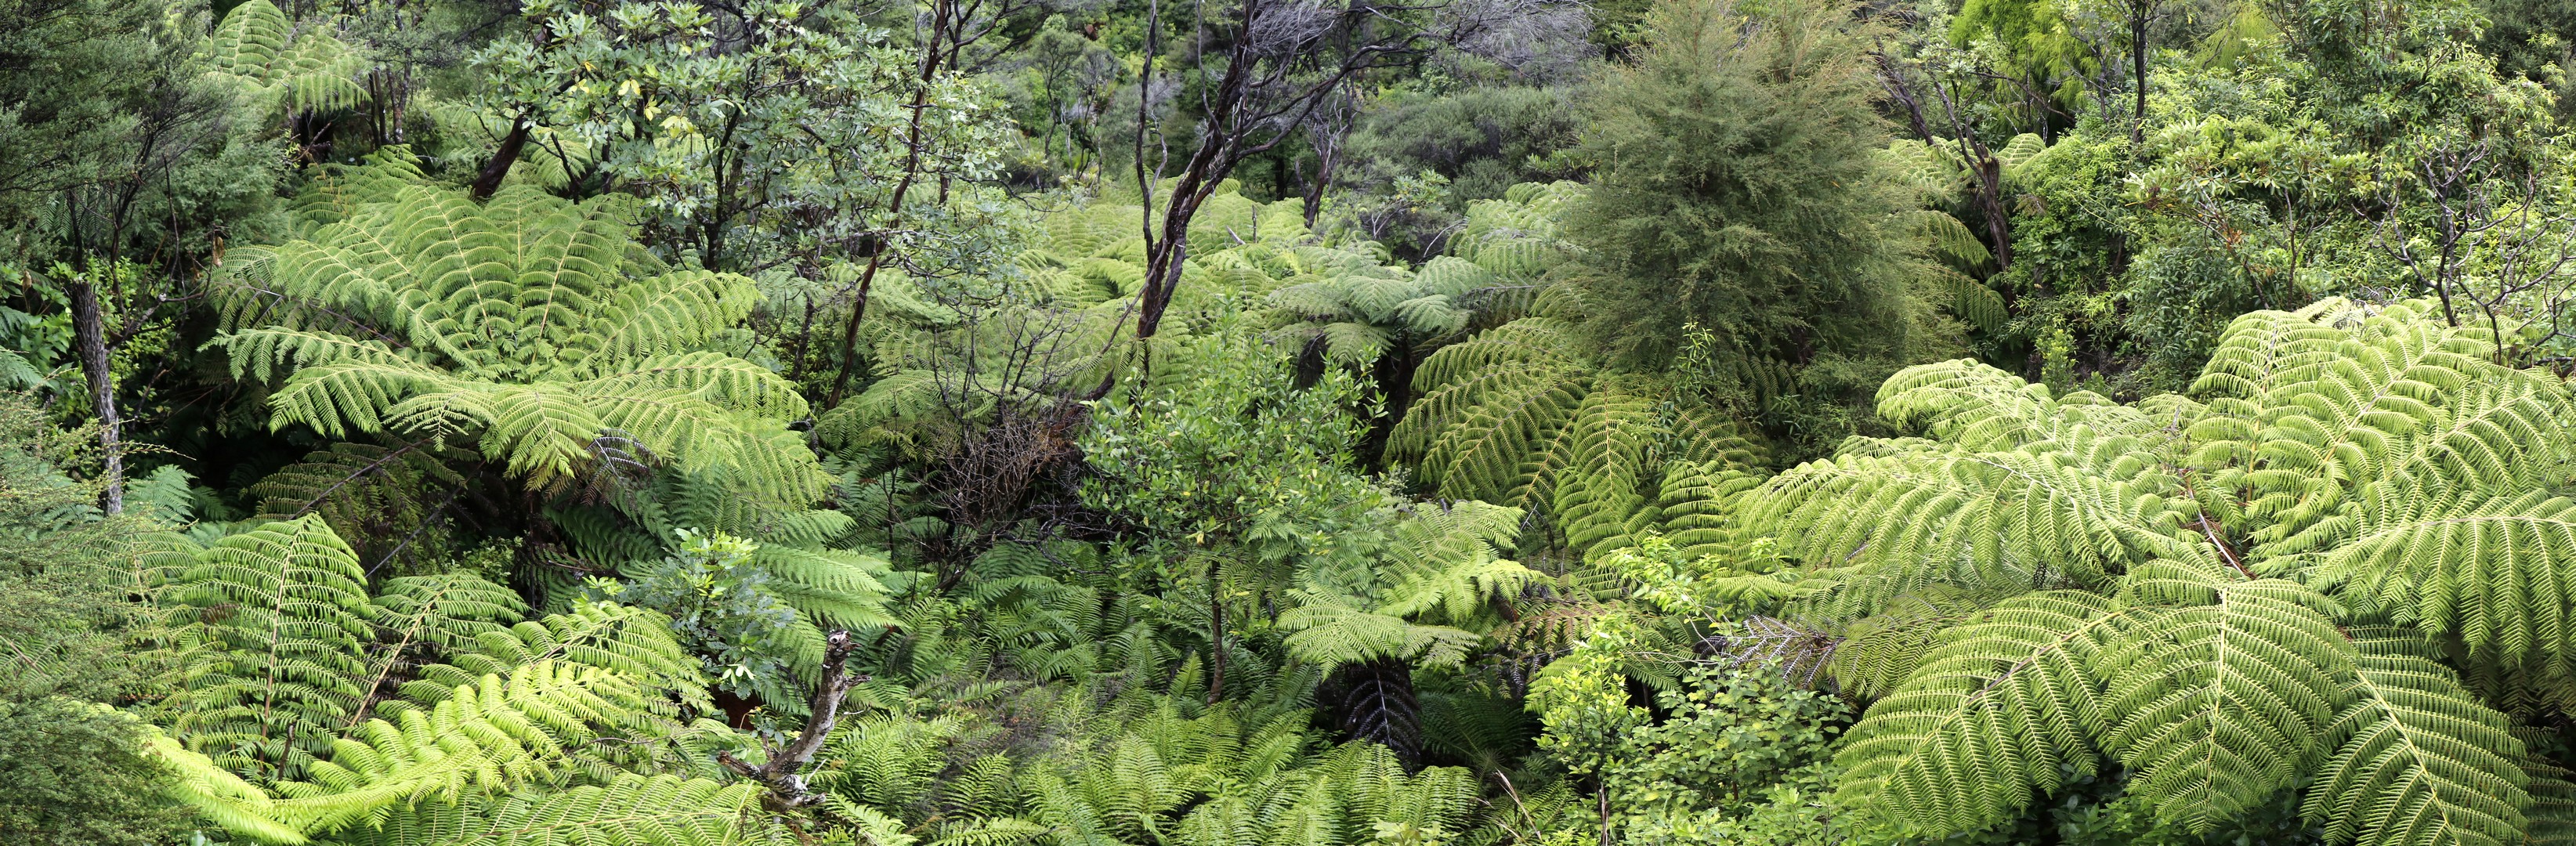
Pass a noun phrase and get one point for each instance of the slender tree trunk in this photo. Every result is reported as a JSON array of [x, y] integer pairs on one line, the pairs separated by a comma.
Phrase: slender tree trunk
[[2138, 59], [783, 774], [89, 339], [489, 180], [930, 65], [1325, 159], [804, 342], [1973, 152], [1216, 642]]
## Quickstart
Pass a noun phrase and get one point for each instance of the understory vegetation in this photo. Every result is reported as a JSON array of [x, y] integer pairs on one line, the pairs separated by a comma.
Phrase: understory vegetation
[[1287, 423]]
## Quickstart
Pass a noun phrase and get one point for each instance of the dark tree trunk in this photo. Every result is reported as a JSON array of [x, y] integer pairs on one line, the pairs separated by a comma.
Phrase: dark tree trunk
[[89, 340], [930, 66], [489, 180], [2138, 57], [1216, 634]]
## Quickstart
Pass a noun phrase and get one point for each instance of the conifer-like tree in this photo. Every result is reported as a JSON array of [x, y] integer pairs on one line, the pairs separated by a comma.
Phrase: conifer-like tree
[[1738, 186]]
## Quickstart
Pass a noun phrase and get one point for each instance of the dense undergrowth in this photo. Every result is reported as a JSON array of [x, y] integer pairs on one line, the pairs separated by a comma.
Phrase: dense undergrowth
[[1485, 423]]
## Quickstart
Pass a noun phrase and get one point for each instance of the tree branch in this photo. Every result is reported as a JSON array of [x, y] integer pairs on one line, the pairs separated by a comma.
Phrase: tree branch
[[784, 773]]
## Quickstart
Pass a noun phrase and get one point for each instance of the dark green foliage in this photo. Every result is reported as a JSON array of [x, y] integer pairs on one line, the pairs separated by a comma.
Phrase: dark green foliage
[[1736, 186], [75, 774], [72, 772], [396, 501], [2533, 38], [722, 607], [1480, 140], [1741, 757], [114, 144]]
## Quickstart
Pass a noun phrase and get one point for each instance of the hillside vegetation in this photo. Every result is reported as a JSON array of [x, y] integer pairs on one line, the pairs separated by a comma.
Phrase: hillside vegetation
[[1287, 423]]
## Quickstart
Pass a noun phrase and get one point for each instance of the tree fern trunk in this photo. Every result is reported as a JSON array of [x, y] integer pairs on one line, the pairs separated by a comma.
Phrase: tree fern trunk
[[1378, 705]]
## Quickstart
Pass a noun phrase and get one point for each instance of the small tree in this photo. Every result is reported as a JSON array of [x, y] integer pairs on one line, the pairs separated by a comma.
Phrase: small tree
[[1737, 186]]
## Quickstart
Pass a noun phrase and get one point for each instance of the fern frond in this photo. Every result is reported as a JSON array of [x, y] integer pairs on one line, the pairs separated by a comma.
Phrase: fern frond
[[625, 639], [218, 795], [531, 324], [2415, 759], [284, 613], [659, 810], [285, 66], [1331, 631], [2214, 704], [2005, 709]]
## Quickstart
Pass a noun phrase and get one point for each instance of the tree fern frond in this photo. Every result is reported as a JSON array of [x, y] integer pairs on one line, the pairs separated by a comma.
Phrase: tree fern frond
[[2006, 708], [217, 794], [628, 640], [285, 66], [2494, 572], [659, 810], [431, 614], [2214, 704], [1331, 631], [530, 323], [285, 614], [502, 733], [2414, 759]]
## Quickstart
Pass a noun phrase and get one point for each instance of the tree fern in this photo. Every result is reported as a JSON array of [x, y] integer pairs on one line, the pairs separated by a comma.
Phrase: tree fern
[[217, 795], [534, 325], [2214, 704], [524, 730], [1359, 309], [1519, 414], [887, 762], [798, 549], [2252, 585], [285, 65]]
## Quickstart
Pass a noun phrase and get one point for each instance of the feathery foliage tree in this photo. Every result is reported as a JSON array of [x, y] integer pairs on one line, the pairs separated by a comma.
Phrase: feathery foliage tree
[[1737, 185]]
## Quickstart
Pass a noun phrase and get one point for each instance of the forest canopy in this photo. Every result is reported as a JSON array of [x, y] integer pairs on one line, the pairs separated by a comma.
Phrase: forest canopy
[[1287, 423]]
